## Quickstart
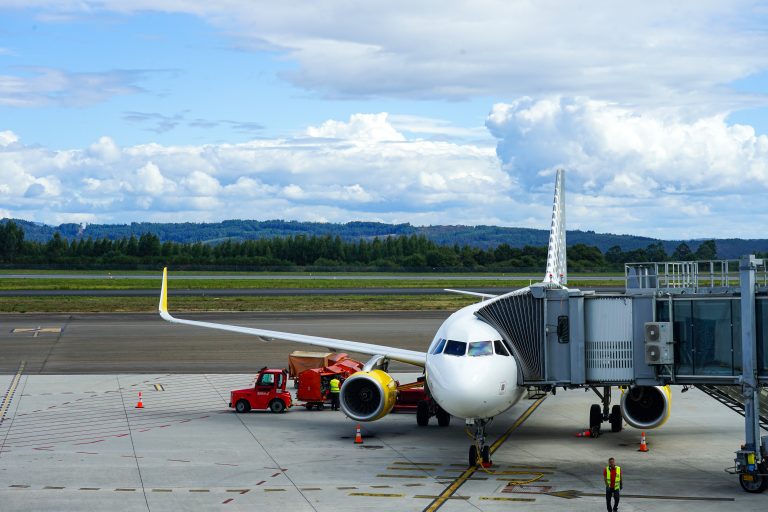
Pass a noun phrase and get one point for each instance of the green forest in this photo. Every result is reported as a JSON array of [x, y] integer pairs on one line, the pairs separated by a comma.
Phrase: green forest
[[326, 252]]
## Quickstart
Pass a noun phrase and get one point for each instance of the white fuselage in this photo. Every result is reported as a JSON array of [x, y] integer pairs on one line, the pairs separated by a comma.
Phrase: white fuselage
[[466, 385]]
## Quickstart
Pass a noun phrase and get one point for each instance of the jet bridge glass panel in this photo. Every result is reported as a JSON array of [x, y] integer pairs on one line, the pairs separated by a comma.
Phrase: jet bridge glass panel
[[707, 334]]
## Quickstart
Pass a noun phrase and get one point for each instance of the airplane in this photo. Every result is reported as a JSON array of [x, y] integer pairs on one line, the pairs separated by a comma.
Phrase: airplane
[[471, 372]]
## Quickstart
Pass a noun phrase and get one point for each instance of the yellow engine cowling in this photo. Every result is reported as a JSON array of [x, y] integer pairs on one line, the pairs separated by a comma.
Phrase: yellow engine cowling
[[646, 407], [368, 396]]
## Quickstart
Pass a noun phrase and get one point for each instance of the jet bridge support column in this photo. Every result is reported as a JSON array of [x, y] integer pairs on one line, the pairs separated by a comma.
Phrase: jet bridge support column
[[751, 464]]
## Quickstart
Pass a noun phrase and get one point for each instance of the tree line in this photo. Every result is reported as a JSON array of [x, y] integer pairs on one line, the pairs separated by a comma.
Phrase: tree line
[[327, 252]]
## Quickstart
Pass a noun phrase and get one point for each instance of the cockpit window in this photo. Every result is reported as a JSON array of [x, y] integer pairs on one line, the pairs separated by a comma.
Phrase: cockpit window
[[439, 346], [455, 348], [499, 347], [481, 348]]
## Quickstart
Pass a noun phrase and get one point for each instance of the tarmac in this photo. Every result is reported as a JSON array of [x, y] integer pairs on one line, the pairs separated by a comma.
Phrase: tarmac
[[75, 443], [72, 439]]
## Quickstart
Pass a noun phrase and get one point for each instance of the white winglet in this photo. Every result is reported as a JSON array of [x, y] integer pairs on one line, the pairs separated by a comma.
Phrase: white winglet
[[557, 266]]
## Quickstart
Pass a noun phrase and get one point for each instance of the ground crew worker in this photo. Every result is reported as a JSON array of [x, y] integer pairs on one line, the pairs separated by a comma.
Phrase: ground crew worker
[[335, 387], [613, 484]]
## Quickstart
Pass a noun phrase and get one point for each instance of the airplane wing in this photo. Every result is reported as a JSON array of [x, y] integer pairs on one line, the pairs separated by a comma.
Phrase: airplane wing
[[474, 294], [397, 354]]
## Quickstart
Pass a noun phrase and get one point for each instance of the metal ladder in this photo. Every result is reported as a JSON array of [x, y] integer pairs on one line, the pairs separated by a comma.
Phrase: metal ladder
[[730, 396]]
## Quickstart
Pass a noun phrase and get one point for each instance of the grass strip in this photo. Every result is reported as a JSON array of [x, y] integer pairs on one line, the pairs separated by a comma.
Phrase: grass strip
[[84, 304], [321, 283]]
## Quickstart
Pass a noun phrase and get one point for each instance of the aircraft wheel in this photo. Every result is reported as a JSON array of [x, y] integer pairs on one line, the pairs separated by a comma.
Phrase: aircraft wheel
[[758, 483], [486, 452], [422, 414], [443, 418], [595, 416], [472, 456], [616, 419], [242, 405]]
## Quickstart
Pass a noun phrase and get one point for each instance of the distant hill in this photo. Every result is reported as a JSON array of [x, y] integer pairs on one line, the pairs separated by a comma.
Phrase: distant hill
[[476, 236]]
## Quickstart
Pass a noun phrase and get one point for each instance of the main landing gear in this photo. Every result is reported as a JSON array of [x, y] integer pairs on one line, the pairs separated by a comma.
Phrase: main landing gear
[[479, 451], [598, 413], [425, 409]]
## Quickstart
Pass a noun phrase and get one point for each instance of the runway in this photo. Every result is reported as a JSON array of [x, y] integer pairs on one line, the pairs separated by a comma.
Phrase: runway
[[143, 343]]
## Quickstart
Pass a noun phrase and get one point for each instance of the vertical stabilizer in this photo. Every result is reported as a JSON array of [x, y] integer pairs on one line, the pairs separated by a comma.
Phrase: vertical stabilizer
[[557, 269]]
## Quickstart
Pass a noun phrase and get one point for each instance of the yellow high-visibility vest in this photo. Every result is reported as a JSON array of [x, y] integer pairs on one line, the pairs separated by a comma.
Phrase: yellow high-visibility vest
[[617, 483], [334, 385]]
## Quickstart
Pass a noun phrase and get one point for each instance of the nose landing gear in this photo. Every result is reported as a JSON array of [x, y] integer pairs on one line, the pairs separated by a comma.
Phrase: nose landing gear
[[479, 452]]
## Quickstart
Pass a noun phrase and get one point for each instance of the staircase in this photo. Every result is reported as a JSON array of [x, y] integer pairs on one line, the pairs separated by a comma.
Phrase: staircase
[[731, 397]]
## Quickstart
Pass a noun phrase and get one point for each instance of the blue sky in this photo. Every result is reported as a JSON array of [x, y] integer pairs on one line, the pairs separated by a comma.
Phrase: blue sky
[[439, 113]]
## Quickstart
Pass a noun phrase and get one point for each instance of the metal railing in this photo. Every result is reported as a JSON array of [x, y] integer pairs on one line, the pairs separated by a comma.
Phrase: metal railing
[[688, 275]]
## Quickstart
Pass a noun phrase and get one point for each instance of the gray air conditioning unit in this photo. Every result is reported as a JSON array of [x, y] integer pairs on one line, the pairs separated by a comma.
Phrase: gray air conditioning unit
[[658, 343]]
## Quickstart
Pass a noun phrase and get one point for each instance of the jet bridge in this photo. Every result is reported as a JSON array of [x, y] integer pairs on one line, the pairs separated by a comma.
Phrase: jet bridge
[[701, 324]]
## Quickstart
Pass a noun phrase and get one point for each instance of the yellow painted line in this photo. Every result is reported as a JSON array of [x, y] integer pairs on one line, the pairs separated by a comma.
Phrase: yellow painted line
[[127, 490], [159, 387], [502, 498], [417, 463], [273, 490], [432, 496], [11, 390], [90, 489], [377, 495], [451, 489], [199, 490], [522, 472], [162, 490]]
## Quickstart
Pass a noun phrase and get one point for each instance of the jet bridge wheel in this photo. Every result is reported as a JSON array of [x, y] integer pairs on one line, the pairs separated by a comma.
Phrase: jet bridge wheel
[[595, 417], [758, 483]]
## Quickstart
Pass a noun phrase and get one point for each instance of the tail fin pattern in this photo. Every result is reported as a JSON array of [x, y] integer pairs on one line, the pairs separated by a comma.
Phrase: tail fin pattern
[[557, 268]]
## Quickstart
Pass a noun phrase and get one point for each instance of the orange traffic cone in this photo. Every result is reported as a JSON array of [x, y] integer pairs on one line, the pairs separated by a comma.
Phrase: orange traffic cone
[[643, 444], [358, 436], [139, 405]]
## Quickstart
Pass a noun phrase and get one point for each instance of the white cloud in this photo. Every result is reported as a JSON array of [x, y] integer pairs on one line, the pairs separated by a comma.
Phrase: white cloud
[[646, 52], [7, 138], [662, 173], [40, 87], [363, 127], [361, 168]]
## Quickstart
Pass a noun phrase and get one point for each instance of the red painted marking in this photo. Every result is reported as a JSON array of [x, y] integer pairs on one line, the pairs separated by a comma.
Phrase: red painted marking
[[145, 430], [276, 474], [245, 491], [184, 421], [163, 426], [46, 448], [92, 442], [120, 435], [261, 482], [88, 453], [177, 460], [227, 501]]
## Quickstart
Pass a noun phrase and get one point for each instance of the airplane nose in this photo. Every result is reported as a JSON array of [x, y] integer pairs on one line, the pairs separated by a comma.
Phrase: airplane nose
[[469, 392]]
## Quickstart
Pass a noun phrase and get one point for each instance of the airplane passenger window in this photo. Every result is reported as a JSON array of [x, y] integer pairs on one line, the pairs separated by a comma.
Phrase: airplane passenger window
[[481, 348], [439, 347], [498, 345], [455, 348]]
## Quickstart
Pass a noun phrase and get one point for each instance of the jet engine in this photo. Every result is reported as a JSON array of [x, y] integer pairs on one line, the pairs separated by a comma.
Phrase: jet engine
[[646, 407], [368, 396]]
